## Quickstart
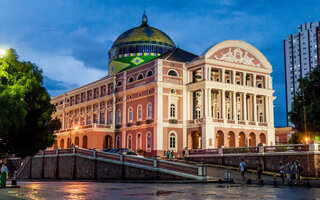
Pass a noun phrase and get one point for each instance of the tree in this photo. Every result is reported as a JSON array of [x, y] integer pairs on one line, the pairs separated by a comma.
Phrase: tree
[[26, 125], [308, 98]]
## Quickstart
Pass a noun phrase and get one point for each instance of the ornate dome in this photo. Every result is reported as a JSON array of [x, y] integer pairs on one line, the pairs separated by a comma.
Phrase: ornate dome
[[137, 46]]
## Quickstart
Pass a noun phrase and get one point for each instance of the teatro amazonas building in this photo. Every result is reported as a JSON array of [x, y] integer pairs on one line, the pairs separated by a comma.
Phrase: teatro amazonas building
[[157, 97]]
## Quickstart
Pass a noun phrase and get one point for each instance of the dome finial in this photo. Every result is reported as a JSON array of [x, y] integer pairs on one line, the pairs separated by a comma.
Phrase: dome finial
[[144, 18]]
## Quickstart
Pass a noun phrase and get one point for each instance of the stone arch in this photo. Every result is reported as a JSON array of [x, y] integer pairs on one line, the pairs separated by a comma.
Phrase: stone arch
[[55, 144], [196, 139], [85, 142], [76, 141], [252, 140], [231, 139], [242, 139], [219, 139], [62, 143], [262, 138]]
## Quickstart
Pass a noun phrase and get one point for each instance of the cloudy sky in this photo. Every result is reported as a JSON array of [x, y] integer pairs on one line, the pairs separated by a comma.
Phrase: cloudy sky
[[69, 39]]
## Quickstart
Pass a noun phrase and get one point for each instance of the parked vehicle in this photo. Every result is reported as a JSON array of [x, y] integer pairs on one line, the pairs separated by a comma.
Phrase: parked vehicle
[[116, 150], [106, 150]]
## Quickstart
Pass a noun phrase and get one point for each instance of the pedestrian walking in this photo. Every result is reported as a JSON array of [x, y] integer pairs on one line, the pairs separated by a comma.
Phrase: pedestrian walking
[[165, 154], [288, 173], [172, 153], [259, 172], [243, 169], [299, 172], [293, 172], [282, 172], [169, 154], [4, 174]]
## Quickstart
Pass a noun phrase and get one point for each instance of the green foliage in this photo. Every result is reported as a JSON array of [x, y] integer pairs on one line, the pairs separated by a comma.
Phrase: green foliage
[[26, 125], [308, 96]]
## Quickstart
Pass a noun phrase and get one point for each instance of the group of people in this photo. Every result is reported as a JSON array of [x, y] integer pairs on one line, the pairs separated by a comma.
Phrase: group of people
[[291, 173], [168, 154]]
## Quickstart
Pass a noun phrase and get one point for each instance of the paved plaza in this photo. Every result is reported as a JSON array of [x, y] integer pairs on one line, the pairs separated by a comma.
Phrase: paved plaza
[[97, 191]]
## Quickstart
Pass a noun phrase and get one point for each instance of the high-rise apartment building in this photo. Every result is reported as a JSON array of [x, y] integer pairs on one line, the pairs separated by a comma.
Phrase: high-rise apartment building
[[301, 54]]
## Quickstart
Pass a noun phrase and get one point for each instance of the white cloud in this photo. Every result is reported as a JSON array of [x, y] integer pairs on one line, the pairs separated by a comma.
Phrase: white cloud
[[64, 68]]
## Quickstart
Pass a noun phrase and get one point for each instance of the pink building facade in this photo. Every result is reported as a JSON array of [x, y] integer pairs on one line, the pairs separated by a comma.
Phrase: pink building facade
[[175, 101]]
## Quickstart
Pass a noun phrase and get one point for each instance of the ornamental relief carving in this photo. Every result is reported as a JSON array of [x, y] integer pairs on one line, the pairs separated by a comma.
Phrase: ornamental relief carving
[[237, 56]]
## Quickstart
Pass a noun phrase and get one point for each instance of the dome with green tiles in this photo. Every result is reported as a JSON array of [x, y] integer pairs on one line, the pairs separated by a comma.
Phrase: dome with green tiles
[[137, 46]]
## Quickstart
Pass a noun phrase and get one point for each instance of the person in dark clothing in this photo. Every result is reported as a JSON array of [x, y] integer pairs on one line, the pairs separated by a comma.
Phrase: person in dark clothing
[[282, 170], [259, 172]]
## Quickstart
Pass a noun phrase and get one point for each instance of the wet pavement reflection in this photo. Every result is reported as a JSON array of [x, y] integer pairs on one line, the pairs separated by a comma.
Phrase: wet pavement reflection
[[97, 190]]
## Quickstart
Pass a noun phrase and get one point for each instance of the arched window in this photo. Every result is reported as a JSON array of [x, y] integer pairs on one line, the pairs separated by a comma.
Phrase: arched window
[[260, 117], [149, 73], [76, 141], [85, 142], [172, 111], [118, 116], [172, 91], [139, 145], [172, 73], [131, 79], [118, 141], [111, 117], [198, 112], [69, 143], [139, 113], [149, 112], [119, 83], [130, 114], [62, 143], [172, 142], [259, 85], [148, 142], [140, 76], [129, 143]]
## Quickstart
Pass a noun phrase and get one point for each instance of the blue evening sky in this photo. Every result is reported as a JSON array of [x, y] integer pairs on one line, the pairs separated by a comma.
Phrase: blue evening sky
[[69, 39]]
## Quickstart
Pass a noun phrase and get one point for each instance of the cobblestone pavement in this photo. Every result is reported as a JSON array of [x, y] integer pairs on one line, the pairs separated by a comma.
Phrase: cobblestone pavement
[[97, 191]]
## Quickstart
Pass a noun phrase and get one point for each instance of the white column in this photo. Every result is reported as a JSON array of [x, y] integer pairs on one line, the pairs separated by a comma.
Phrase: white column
[[124, 140], [99, 113], [189, 110], [245, 107], [185, 117], [233, 77], [204, 73], [209, 104], [266, 108], [255, 107], [223, 107], [124, 111], [159, 119], [254, 80], [223, 71], [244, 78], [205, 103], [234, 107]]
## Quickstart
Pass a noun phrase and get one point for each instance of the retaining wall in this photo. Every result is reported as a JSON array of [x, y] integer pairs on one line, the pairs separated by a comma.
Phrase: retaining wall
[[310, 161], [74, 167]]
